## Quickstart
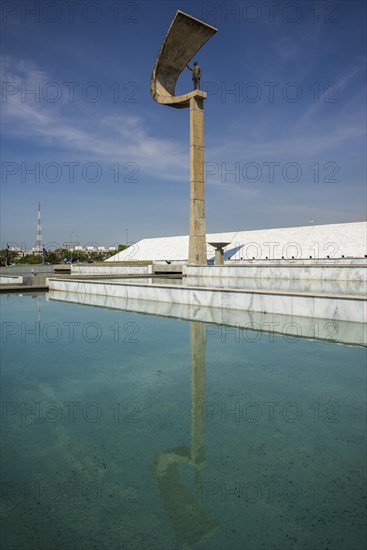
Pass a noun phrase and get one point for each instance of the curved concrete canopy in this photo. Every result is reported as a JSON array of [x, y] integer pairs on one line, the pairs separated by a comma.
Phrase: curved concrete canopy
[[184, 39]]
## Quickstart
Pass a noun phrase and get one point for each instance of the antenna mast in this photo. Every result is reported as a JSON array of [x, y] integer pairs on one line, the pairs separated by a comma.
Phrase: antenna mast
[[39, 243]]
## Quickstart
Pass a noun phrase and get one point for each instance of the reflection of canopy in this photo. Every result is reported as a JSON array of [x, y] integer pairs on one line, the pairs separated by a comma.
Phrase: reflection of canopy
[[190, 520], [184, 38]]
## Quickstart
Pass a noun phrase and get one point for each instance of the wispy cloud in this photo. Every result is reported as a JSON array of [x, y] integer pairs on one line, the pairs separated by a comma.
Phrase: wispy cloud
[[106, 138], [280, 134], [331, 90], [65, 130]]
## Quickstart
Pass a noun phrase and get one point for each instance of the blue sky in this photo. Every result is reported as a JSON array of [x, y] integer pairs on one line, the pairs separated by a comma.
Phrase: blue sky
[[284, 120]]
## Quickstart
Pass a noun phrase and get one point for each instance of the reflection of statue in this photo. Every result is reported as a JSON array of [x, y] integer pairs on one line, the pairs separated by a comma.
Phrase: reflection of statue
[[196, 75], [190, 520]]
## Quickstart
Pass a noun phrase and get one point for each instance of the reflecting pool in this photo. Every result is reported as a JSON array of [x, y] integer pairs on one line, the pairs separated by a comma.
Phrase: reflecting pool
[[125, 430]]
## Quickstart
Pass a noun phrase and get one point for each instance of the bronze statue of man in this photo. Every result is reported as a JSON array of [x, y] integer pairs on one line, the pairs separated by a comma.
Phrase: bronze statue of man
[[196, 75]]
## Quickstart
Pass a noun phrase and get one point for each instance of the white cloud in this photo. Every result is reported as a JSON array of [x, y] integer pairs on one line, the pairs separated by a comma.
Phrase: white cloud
[[105, 138]]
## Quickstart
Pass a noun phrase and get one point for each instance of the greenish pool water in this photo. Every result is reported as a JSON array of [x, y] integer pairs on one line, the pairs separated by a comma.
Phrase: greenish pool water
[[128, 431]]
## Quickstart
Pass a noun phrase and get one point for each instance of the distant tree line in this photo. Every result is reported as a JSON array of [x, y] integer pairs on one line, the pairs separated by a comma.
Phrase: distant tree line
[[58, 256]]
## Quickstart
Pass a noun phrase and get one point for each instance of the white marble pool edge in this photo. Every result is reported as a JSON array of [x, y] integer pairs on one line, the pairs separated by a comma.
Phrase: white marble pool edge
[[332, 307]]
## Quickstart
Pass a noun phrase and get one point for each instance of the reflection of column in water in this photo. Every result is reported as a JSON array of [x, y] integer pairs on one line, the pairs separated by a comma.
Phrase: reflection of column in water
[[38, 298], [39, 308], [197, 349], [190, 521]]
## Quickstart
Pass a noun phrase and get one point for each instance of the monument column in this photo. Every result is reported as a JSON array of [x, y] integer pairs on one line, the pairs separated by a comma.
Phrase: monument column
[[197, 236], [183, 40]]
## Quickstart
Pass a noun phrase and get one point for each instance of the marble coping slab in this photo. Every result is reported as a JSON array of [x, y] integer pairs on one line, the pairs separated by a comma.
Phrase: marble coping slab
[[320, 306], [11, 280], [334, 271]]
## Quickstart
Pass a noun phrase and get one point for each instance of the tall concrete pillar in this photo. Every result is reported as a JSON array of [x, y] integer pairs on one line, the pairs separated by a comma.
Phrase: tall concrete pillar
[[197, 235]]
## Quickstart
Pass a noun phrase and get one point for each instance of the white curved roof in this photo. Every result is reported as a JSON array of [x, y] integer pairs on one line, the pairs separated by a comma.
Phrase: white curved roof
[[318, 241]]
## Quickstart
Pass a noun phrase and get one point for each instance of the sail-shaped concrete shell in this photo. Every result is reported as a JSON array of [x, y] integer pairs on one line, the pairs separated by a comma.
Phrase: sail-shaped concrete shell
[[184, 39]]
